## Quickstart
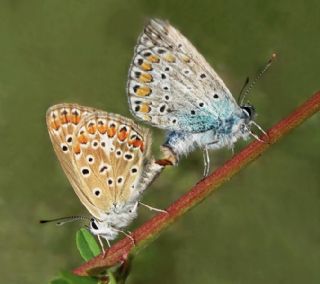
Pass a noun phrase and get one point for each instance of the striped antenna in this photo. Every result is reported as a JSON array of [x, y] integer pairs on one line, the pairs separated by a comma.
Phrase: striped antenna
[[64, 220], [247, 88]]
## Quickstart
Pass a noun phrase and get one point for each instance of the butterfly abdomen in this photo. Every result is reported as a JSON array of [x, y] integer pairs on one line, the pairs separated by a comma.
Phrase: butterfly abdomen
[[181, 143]]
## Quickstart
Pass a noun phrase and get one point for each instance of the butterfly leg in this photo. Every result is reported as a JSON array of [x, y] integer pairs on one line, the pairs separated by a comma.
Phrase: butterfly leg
[[152, 208], [126, 234], [261, 129], [256, 137], [102, 246], [206, 161], [232, 150]]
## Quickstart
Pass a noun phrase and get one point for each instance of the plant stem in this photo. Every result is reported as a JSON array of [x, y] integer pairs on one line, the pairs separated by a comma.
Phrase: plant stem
[[150, 230]]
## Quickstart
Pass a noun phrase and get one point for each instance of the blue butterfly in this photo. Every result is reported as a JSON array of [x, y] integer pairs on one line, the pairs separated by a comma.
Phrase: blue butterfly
[[171, 86]]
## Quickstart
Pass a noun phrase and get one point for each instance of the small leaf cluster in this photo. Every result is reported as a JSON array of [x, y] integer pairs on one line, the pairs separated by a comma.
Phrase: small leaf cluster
[[88, 248]]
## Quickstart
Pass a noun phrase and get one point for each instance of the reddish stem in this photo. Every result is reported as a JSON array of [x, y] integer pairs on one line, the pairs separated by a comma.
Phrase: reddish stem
[[152, 228]]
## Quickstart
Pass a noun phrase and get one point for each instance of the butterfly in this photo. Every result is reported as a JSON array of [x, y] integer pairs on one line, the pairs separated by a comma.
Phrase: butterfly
[[106, 158], [171, 86]]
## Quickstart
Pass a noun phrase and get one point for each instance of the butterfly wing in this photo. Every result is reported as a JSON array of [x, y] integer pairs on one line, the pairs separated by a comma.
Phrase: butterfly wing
[[111, 155], [62, 121], [106, 157], [171, 85]]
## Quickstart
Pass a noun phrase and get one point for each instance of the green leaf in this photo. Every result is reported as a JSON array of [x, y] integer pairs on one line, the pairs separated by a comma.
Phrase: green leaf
[[87, 245], [73, 279], [112, 279], [59, 281]]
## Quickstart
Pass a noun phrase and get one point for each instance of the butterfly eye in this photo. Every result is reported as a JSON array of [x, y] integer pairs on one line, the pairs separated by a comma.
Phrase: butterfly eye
[[249, 111], [94, 225]]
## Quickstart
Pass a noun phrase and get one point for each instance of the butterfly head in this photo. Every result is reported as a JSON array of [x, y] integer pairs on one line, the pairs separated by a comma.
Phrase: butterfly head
[[249, 112], [102, 228], [247, 116], [118, 217]]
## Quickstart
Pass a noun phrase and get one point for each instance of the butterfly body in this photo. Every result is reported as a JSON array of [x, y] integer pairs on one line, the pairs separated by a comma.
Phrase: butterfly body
[[223, 133], [171, 86], [116, 220], [106, 158]]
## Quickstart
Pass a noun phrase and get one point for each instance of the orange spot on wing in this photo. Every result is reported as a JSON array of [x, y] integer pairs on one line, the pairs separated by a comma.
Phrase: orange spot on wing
[[123, 134], [92, 129], [102, 128], [145, 78], [143, 91], [75, 118], [146, 66], [111, 131], [154, 59], [136, 143], [169, 58], [77, 149], [144, 108], [63, 119], [55, 124], [82, 139], [185, 58]]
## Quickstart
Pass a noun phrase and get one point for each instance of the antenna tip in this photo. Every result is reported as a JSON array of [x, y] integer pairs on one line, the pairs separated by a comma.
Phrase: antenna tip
[[272, 58], [43, 221]]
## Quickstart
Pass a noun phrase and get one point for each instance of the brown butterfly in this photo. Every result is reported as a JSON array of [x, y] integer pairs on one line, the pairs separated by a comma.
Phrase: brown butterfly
[[107, 160]]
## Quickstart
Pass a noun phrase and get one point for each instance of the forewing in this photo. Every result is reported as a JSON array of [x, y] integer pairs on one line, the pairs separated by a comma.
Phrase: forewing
[[110, 154], [62, 121], [171, 85]]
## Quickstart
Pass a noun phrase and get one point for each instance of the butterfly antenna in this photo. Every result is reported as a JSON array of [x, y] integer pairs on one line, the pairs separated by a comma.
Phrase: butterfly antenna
[[64, 220], [242, 89], [247, 88]]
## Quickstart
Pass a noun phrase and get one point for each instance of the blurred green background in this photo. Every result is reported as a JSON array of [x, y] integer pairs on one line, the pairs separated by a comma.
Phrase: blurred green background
[[261, 227]]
